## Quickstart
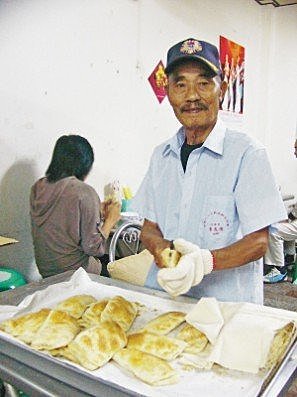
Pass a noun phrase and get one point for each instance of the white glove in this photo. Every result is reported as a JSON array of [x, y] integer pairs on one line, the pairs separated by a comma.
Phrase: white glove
[[190, 270], [179, 279], [185, 247]]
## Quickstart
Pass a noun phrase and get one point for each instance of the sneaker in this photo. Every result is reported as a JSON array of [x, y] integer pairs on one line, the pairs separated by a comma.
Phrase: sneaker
[[274, 276]]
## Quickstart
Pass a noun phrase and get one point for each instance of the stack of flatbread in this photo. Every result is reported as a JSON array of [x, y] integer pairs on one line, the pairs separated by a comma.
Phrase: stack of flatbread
[[90, 333]]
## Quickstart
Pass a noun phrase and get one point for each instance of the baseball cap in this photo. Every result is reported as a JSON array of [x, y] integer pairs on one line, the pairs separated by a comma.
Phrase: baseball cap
[[193, 49]]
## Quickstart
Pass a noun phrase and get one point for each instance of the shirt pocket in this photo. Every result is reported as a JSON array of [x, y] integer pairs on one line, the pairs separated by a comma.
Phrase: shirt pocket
[[219, 221]]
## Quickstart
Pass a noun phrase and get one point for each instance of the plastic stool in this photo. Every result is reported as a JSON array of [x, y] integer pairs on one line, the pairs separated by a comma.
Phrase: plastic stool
[[10, 279]]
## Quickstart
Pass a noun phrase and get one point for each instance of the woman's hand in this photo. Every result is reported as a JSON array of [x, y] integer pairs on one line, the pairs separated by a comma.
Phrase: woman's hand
[[111, 211]]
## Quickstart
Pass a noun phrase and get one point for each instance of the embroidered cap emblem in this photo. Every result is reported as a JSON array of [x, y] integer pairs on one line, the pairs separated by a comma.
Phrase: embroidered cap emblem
[[190, 47]]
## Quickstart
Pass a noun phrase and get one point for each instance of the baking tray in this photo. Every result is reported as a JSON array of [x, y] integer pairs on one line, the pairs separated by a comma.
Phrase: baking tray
[[43, 375]]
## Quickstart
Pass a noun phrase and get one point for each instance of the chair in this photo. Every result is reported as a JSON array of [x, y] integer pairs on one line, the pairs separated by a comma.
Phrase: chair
[[125, 240]]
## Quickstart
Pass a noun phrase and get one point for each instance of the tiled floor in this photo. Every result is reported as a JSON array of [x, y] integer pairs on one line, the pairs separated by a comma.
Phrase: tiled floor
[[284, 296]]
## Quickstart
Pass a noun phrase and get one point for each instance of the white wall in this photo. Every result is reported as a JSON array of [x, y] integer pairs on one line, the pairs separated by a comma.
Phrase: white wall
[[81, 66]]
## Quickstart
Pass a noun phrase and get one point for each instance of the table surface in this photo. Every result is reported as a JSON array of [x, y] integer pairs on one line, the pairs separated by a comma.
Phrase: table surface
[[39, 375]]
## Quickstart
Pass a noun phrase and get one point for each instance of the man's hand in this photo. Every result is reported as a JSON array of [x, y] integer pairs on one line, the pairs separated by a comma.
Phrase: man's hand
[[190, 270]]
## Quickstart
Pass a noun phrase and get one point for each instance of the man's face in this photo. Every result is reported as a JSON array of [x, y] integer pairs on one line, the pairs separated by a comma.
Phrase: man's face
[[295, 148], [195, 96]]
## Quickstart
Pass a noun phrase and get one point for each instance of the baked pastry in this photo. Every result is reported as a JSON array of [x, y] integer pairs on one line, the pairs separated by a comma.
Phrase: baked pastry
[[158, 345], [121, 311], [25, 327], [63, 352], [75, 305], [170, 257], [196, 340], [165, 323], [279, 345], [57, 330], [148, 368], [95, 346], [92, 315]]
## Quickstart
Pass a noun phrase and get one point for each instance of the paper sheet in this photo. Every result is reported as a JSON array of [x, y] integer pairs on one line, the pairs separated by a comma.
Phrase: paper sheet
[[215, 383], [7, 240]]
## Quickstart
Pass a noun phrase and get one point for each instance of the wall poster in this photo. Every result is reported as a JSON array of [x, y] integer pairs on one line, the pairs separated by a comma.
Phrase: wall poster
[[232, 56]]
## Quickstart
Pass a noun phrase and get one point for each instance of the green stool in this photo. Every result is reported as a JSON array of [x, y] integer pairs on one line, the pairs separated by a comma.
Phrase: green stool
[[10, 279]]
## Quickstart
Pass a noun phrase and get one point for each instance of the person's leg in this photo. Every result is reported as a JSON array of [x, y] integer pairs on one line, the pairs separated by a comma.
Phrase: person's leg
[[275, 253], [283, 232]]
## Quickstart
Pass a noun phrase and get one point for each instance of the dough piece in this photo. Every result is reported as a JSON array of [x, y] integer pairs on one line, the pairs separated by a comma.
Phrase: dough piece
[[63, 352], [158, 345], [195, 339], [75, 305], [95, 346], [92, 316], [25, 327], [121, 311], [148, 368], [279, 345], [133, 268], [170, 257], [165, 323], [57, 330]]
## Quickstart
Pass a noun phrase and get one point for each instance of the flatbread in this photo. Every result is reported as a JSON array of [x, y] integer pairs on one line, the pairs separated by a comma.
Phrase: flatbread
[[63, 352], [280, 342], [25, 327], [75, 305], [121, 311], [196, 340], [58, 330], [170, 257], [92, 315], [165, 323], [148, 368], [158, 345], [95, 346]]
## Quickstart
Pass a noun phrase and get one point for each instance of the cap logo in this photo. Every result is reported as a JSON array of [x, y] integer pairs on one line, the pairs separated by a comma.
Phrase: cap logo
[[191, 47]]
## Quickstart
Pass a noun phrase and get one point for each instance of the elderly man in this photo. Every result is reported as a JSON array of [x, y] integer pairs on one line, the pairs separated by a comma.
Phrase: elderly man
[[209, 185]]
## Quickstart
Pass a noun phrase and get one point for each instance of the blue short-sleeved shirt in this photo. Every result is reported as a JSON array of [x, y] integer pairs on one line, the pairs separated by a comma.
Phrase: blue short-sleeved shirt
[[227, 192]]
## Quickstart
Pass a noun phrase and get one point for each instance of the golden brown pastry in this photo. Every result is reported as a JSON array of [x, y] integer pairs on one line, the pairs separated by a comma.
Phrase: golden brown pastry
[[58, 330], [92, 315], [63, 352], [121, 311], [75, 305], [281, 341], [165, 323], [195, 339], [170, 257], [94, 346], [25, 327], [158, 345], [148, 368]]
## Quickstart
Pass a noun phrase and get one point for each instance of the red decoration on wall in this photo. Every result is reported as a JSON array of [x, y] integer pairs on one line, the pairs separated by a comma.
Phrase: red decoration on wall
[[158, 81]]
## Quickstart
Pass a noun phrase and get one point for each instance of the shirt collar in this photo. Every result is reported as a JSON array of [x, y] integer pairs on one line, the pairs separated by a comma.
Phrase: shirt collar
[[214, 141]]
